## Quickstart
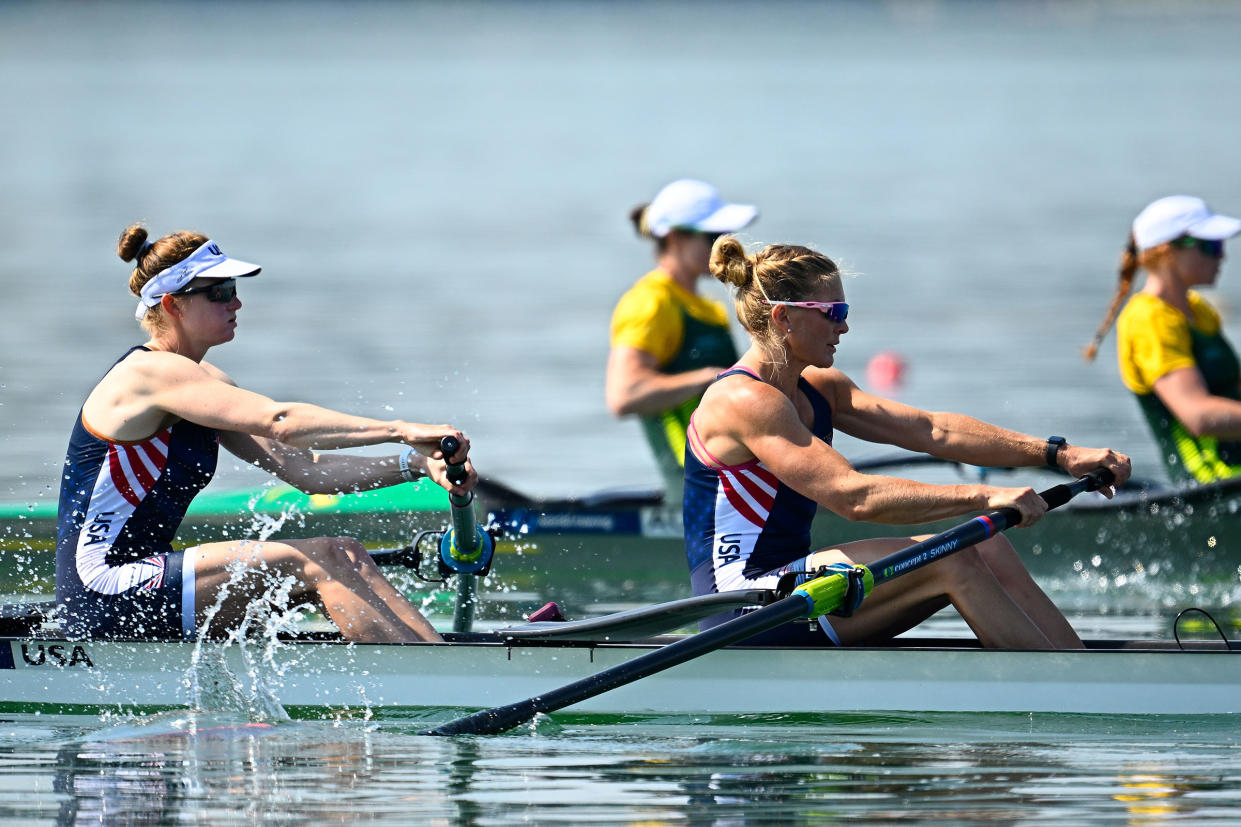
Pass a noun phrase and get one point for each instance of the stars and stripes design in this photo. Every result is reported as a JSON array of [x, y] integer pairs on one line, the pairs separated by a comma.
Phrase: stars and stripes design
[[135, 467], [129, 473], [751, 490]]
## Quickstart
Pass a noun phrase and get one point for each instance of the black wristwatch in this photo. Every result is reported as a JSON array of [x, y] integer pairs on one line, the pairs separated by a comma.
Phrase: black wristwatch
[[1054, 444]]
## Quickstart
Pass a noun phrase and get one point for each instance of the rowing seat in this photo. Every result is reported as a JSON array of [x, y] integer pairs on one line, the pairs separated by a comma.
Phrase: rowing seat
[[639, 624]]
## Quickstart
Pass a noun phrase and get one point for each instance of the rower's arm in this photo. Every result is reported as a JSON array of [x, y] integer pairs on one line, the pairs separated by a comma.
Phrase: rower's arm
[[312, 472], [950, 435], [282, 438], [743, 421], [635, 385], [203, 394], [1185, 394]]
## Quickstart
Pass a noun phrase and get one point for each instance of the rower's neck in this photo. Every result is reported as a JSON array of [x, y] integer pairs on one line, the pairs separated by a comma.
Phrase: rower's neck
[[169, 344], [782, 377], [1169, 289], [679, 273]]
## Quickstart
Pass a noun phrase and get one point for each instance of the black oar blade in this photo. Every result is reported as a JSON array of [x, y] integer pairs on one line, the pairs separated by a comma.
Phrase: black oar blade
[[490, 721]]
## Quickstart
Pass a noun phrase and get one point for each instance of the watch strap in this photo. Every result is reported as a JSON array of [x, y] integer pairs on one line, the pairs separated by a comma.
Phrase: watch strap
[[1054, 444]]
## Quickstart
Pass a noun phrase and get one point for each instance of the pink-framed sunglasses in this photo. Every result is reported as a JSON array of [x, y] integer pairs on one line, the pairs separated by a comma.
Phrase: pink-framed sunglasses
[[832, 311]]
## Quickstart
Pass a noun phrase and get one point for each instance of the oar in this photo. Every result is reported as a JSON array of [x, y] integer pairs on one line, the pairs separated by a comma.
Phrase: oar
[[814, 598], [465, 549]]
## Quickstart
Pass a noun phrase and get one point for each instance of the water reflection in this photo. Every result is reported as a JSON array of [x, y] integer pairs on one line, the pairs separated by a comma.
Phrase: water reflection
[[214, 767]]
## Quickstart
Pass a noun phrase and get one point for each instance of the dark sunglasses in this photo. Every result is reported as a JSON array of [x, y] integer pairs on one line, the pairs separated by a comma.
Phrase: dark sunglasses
[[1208, 247], [221, 292]]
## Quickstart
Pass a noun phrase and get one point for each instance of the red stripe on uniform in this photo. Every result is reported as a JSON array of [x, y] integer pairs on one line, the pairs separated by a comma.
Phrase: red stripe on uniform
[[139, 469], [119, 479], [765, 498], [157, 457], [739, 502]]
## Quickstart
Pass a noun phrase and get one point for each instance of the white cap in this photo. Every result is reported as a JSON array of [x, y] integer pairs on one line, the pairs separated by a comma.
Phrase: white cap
[[1177, 215], [207, 261], [695, 205]]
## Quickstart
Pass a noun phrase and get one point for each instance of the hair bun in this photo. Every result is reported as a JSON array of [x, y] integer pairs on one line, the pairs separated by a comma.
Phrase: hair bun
[[132, 243], [730, 263]]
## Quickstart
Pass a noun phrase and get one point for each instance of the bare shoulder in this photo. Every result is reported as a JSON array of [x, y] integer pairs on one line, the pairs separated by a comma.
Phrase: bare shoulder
[[215, 373], [734, 394], [160, 364], [833, 383], [741, 407]]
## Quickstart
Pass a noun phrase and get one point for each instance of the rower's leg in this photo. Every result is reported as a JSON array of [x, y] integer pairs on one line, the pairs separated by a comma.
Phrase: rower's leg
[[326, 571], [1000, 556], [963, 579], [360, 559]]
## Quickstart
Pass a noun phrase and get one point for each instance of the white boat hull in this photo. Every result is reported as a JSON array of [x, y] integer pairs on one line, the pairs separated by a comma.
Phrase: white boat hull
[[56, 674]]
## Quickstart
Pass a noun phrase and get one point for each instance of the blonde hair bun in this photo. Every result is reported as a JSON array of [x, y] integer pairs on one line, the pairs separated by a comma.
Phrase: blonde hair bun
[[730, 263]]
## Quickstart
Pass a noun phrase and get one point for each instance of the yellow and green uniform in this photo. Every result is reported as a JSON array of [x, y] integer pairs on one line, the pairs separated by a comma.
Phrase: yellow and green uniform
[[683, 331], [1154, 339]]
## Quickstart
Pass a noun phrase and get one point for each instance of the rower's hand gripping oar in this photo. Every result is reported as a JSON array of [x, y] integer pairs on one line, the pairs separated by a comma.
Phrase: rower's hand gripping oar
[[465, 548], [817, 597]]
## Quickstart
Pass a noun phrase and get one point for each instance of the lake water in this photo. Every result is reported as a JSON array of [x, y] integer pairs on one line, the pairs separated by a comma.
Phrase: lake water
[[438, 196]]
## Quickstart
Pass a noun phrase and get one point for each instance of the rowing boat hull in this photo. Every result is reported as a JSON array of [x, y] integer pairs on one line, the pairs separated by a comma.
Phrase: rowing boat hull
[[328, 676]]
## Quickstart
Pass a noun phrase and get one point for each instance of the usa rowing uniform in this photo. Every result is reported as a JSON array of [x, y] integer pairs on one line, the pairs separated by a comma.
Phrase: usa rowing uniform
[[744, 529], [121, 504]]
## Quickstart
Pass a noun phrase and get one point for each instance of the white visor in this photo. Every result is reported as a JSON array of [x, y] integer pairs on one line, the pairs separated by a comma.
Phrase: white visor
[[1170, 218], [207, 261]]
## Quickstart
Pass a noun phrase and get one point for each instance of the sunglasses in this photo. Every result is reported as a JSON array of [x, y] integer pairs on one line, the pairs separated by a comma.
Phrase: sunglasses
[[1208, 247], [221, 292], [832, 311]]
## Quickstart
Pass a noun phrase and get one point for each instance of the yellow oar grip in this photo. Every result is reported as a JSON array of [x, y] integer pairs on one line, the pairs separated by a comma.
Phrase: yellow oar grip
[[826, 594]]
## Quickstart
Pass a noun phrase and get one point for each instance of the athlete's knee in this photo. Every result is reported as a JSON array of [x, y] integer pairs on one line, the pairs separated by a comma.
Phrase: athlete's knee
[[963, 565], [998, 550], [337, 554]]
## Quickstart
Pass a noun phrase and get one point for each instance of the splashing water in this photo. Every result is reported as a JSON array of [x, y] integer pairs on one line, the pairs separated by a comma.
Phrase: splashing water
[[254, 642]]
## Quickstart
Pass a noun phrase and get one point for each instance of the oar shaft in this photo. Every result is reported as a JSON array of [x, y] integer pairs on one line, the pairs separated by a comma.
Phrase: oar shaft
[[813, 598], [462, 505], [503, 718]]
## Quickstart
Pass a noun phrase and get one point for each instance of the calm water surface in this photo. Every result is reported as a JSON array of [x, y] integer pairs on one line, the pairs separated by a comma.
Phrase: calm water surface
[[762, 769], [437, 193]]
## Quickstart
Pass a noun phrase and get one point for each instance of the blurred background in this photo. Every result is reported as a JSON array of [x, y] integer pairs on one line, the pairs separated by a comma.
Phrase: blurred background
[[438, 195]]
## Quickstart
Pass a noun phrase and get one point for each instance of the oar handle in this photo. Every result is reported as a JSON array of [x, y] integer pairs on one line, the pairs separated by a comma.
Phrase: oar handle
[[967, 534], [462, 505], [1055, 496], [465, 548]]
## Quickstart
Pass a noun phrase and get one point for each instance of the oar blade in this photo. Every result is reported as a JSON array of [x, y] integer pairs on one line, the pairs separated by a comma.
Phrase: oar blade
[[489, 721]]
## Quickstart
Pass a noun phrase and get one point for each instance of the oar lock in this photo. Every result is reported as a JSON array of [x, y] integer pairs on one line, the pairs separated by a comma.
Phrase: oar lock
[[836, 589], [449, 558]]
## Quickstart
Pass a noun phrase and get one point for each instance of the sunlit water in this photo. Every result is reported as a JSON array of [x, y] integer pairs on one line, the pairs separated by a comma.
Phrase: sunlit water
[[438, 196], [745, 770]]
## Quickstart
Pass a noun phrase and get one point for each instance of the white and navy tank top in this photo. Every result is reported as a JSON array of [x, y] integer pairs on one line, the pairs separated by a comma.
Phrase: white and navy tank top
[[121, 504], [740, 521]]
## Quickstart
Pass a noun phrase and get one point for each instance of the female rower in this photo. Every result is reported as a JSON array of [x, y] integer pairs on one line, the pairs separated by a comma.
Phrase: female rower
[[145, 443], [760, 459], [1171, 349], [669, 342]]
